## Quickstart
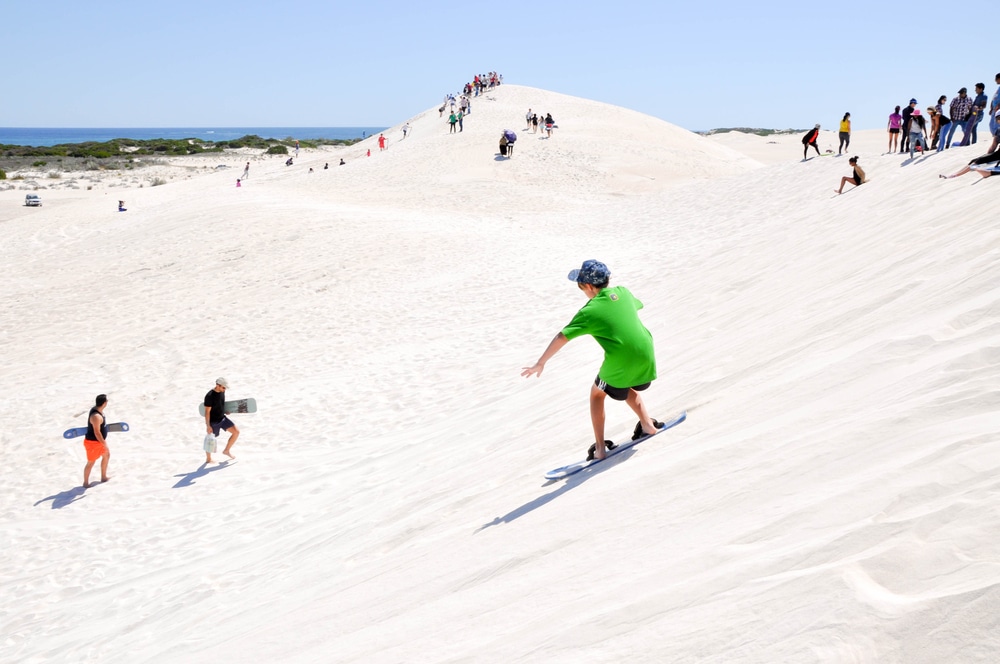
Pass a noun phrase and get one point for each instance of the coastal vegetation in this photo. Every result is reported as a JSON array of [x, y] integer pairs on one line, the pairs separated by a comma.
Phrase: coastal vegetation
[[750, 130], [158, 147], [127, 153]]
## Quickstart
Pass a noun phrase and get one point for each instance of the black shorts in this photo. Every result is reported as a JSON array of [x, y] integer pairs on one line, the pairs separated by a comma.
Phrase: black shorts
[[894, 130], [225, 424], [618, 393], [857, 180]]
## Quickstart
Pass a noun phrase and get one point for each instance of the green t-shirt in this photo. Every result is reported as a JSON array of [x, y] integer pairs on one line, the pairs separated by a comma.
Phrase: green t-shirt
[[612, 319]]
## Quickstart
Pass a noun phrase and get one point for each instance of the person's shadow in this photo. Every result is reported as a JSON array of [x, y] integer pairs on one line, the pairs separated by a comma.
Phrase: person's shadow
[[64, 498], [570, 482], [187, 479]]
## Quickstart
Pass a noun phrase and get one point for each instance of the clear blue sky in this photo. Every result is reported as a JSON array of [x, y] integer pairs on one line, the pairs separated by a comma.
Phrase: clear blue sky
[[326, 63]]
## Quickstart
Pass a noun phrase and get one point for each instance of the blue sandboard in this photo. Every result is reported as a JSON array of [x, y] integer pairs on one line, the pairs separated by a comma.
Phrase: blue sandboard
[[573, 468], [82, 431]]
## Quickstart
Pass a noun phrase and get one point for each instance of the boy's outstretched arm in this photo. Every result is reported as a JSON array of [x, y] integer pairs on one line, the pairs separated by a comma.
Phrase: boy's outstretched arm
[[557, 342]]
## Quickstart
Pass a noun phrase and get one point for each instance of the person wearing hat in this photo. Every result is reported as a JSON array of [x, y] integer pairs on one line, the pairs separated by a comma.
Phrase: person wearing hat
[[611, 317], [961, 108], [811, 138], [216, 420]]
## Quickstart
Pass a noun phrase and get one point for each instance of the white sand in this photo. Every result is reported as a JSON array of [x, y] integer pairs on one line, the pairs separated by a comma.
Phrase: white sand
[[833, 496]]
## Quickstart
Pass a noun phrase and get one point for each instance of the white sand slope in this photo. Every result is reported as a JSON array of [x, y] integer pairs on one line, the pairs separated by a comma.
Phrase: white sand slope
[[833, 495]]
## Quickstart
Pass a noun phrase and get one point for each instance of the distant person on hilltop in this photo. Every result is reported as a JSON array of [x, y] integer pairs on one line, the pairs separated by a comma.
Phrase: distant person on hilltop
[[810, 139], [246, 172], [611, 316], [549, 124], [961, 108], [452, 120], [918, 132], [381, 142], [857, 178], [895, 122], [907, 113], [845, 133], [939, 124], [978, 109], [994, 118], [406, 129]]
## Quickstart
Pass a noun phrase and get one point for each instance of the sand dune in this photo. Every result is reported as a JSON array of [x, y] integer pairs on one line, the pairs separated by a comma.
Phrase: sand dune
[[831, 497]]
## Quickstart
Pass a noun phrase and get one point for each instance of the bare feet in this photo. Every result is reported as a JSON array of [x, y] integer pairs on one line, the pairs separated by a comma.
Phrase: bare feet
[[228, 453], [104, 479]]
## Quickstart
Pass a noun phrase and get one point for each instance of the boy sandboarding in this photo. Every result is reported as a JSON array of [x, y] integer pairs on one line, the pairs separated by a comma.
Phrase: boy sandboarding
[[611, 317]]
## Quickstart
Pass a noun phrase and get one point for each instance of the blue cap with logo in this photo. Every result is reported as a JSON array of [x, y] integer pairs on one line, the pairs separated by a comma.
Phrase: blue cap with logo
[[591, 272]]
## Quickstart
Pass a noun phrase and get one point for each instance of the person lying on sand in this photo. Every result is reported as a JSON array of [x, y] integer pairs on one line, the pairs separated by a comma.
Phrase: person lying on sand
[[979, 164]]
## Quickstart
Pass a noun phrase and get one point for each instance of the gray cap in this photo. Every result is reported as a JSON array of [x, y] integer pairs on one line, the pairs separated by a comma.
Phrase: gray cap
[[222, 381]]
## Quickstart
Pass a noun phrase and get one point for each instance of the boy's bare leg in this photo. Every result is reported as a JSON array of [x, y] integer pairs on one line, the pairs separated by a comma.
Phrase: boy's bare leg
[[635, 402], [208, 457], [597, 419], [86, 473], [104, 466]]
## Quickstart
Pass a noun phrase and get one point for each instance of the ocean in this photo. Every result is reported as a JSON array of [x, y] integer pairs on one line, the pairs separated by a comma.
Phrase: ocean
[[47, 136]]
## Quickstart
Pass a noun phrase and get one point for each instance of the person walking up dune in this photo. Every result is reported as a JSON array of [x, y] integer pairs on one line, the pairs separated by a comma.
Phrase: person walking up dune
[[95, 441]]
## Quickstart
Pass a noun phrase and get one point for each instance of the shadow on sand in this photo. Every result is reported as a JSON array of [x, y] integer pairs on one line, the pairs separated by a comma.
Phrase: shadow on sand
[[187, 479], [570, 482], [64, 498]]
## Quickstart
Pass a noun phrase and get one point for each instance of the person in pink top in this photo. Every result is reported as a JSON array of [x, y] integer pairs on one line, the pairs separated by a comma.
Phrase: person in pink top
[[895, 122]]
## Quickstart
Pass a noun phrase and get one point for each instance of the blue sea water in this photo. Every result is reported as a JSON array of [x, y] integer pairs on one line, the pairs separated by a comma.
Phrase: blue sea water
[[46, 137]]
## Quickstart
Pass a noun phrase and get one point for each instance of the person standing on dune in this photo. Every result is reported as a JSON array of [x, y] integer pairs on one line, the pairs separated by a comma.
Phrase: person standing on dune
[[895, 121]]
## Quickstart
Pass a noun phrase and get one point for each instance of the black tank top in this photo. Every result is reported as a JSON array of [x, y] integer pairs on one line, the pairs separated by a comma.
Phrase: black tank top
[[90, 426]]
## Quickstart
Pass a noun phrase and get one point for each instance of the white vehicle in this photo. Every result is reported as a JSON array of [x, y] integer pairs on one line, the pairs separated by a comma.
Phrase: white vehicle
[[32, 200]]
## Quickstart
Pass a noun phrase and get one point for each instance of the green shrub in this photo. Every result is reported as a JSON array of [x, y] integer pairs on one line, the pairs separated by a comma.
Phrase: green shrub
[[3, 174], [277, 149], [38, 164]]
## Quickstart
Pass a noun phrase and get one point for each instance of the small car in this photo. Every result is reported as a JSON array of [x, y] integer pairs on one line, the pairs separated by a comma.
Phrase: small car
[[32, 200]]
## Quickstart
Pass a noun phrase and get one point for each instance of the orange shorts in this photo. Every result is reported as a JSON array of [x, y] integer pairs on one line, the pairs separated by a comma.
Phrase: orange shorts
[[95, 450]]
